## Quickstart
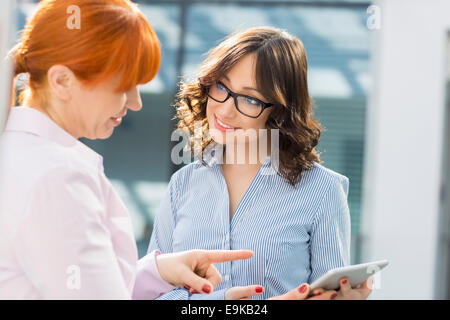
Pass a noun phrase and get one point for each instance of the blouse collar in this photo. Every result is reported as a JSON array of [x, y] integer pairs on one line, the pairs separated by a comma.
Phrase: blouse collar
[[32, 121]]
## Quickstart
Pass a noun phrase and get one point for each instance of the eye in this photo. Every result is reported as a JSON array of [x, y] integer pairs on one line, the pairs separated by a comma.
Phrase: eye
[[221, 87], [253, 101]]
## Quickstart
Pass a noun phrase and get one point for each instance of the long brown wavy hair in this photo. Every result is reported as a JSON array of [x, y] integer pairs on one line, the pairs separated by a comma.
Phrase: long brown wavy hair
[[281, 75]]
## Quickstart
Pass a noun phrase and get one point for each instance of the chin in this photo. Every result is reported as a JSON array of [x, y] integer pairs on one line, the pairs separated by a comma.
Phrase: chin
[[216, 135], [106, 135], [103, 135]]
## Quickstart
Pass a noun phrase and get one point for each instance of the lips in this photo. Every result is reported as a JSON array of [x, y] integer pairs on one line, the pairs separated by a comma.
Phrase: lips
[[121, 116], [222, 126], [116, 121]]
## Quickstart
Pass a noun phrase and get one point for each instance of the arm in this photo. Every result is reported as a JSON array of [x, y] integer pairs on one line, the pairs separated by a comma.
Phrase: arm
[[194, 269], [149, 284], [330, 232], [330, 241], [62, 243], [162, 240]]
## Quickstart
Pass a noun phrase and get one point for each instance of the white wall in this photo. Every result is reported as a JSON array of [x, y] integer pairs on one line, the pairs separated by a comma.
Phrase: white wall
[[405, 121], [7, 24]]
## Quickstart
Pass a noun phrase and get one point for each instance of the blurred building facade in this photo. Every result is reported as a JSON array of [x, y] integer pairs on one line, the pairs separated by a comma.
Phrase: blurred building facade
[[406, 168]]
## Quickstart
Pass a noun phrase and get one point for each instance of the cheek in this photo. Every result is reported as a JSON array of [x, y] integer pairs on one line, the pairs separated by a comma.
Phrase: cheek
[[84, 109], [254, 124], [265, 116], [212, 131], [209, 109], [253, 128], [111, 105]]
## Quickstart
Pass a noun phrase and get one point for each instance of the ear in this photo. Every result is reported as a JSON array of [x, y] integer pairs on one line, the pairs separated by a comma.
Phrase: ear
[[61, 81]]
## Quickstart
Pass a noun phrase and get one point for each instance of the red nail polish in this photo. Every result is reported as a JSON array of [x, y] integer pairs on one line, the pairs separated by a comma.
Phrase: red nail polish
[[206, 288], [259, 289], [187, 287], [318, 293], [195, 291], [334, 295], [344, 281], [302, 289]]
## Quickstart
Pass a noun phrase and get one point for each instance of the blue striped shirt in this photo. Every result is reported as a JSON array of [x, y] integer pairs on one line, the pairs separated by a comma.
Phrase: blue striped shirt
[[297, 233]]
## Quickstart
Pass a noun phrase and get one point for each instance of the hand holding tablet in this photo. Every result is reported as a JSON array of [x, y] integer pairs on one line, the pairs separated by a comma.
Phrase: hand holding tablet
[[356, 274]]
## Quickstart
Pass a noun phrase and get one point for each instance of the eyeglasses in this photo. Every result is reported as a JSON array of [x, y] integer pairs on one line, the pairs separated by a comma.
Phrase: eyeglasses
[[248, 106]]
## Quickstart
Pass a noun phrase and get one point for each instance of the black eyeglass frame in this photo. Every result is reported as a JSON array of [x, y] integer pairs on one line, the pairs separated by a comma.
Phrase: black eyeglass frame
[[235, 97]]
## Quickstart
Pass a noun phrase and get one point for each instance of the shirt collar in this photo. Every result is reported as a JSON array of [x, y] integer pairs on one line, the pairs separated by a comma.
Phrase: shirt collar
[[30, 120]]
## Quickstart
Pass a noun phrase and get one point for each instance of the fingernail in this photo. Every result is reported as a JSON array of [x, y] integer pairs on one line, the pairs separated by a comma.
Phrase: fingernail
[[259, 289], [206, 288], [334, 295], [344, 281], [317, 293], [195, 291], [187, 287], [302, 289]]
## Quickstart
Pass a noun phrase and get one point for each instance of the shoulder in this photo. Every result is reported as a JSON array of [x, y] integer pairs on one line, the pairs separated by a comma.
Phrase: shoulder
[[332, 189], [67, 187], [34, 155], [66, 176], [31, 164], [324, 178], [184, 175]]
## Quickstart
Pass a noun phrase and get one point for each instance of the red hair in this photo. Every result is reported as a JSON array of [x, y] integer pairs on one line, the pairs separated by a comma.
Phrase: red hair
[[113, 37]]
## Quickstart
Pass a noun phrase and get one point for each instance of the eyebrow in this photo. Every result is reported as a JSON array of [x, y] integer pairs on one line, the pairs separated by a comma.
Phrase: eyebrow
[[245, 88]]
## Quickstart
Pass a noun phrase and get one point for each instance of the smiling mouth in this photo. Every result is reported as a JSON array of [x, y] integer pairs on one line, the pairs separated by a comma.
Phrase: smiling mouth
[[116, 121], [223, 126], [119, 118]]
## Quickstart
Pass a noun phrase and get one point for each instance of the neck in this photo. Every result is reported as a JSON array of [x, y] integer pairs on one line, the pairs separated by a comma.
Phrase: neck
[[249, 154], [52, 112]]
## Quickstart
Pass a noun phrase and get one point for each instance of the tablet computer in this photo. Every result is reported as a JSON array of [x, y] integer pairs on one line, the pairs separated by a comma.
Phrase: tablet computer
[[356, 275]]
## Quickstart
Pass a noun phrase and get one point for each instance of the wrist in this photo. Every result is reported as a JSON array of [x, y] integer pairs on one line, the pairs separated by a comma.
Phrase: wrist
[[160, 261], [226, 295]]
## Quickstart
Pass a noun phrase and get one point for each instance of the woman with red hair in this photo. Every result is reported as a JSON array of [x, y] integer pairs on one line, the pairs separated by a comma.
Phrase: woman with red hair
[[65, 234]]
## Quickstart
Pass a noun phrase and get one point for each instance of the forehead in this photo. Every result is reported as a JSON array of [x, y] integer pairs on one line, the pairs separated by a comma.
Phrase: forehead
[[242, 74]]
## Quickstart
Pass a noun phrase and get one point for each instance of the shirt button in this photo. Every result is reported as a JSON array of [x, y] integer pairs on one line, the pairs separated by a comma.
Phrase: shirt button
[[227, 277]]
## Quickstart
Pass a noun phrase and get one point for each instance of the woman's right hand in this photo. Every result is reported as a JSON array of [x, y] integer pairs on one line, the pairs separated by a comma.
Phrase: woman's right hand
[[194, 269], [300, 293]]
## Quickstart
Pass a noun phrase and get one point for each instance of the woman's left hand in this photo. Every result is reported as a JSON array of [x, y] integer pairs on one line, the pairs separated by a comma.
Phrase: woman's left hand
[[361, 292], [194, 269]]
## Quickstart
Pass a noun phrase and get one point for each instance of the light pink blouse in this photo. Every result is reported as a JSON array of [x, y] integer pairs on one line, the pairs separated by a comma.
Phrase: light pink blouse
[[64, 231]]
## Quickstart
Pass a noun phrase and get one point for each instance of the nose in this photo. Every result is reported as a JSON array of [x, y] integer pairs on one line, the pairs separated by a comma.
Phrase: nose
[[134, 101], [226, 109]]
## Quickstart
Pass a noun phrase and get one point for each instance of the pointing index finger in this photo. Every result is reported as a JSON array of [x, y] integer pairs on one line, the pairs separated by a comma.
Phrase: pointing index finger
[[217, 256]]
